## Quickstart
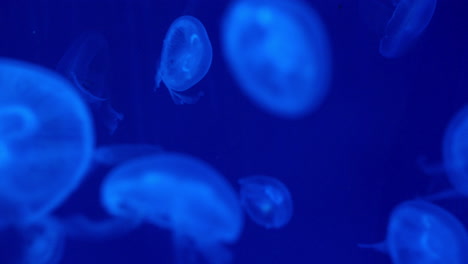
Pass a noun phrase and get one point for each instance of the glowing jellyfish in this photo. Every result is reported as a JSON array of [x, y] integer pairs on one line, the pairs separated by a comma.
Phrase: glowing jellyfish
[[185, 59], [46, 142], [180, 193], [279, 53], [87, 64], [420, 232], [408, 20], [266, 200]]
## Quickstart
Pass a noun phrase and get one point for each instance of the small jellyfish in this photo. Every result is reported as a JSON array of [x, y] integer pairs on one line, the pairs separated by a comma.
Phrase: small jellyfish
[[266, 200], [421, 232], [406, 23], [87, 64], [279, 53], [180, 193], [185, 59], [46, 141]]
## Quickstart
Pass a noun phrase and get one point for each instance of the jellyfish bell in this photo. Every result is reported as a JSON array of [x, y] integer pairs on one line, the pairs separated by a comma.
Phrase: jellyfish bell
[[266, 200], [421, 232], [278, 52], [47, 150], [409, 18], [180, 193], [185, 59], [87, 65]]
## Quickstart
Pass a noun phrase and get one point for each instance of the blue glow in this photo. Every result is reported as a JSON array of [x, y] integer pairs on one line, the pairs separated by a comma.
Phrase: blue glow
[[47, 152], [266, 200], [408, 21], [87, 64], [279, 53], [180, 193], [421, 232], [185, 59]]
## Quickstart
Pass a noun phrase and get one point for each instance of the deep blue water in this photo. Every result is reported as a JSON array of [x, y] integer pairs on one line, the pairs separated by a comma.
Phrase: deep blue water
[[347, 165]]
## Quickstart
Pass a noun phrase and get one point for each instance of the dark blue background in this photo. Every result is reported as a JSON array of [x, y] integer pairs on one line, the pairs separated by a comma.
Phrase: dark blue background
[[347, 165]]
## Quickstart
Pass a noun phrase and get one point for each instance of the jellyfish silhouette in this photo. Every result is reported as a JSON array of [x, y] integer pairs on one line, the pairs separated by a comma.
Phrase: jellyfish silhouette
[[87, 64], [180, 193], [46, 142], [408, 20], [421, 232], [266, 200], [279, 54], [185, 59]]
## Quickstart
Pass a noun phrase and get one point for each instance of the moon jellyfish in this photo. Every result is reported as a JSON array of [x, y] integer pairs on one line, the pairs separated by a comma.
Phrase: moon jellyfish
[[185, 59], [279, 53], [421, 232], [408, 20], [87, 64], [46, 142], [266, 200], [180, 193]]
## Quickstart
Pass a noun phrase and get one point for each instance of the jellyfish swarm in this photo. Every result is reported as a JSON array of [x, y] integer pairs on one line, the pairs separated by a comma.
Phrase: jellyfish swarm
[[421, 232], [185, 59], [46, 141], [266, 200], [408, 20], [87, 64], [179, 193], [279, 53]]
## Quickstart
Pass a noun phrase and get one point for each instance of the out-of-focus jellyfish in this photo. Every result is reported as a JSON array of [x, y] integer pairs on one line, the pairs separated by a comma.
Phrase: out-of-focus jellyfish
[[279, 53], [180, 193], [407, 20], [43, 242], [46, 142], [185, 59], [455, 158], [87, 64], [421, 232], [266, 200]]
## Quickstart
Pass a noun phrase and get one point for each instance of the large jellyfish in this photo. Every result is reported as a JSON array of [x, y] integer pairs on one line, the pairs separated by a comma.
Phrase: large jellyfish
[[408, 20], [421, 232], [46, 142], [185, 59], [266, 200], [279, 53], [180, 193], [87, 64]]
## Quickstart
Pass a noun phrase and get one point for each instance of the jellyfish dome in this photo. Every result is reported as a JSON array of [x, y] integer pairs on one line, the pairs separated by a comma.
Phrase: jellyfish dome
[[455, 155], [279, 53], [46, 141], [185, 60], [179, 193], [421, 232], [266, 200]]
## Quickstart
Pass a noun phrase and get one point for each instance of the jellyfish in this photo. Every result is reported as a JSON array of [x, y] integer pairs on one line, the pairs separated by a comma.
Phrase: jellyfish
[[185, 59], [46, 142], [279, 54], [406, 23], [180, 193], [421, 232], [87, 64], [266, 200]]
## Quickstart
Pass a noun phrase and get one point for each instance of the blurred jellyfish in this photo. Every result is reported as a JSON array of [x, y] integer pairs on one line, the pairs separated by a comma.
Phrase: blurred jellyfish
[[185, 59], [46, 142], [279, 53], [179, 193], [409, 18], [266, 200], [87, 64], [43, 242], [420, 232]]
